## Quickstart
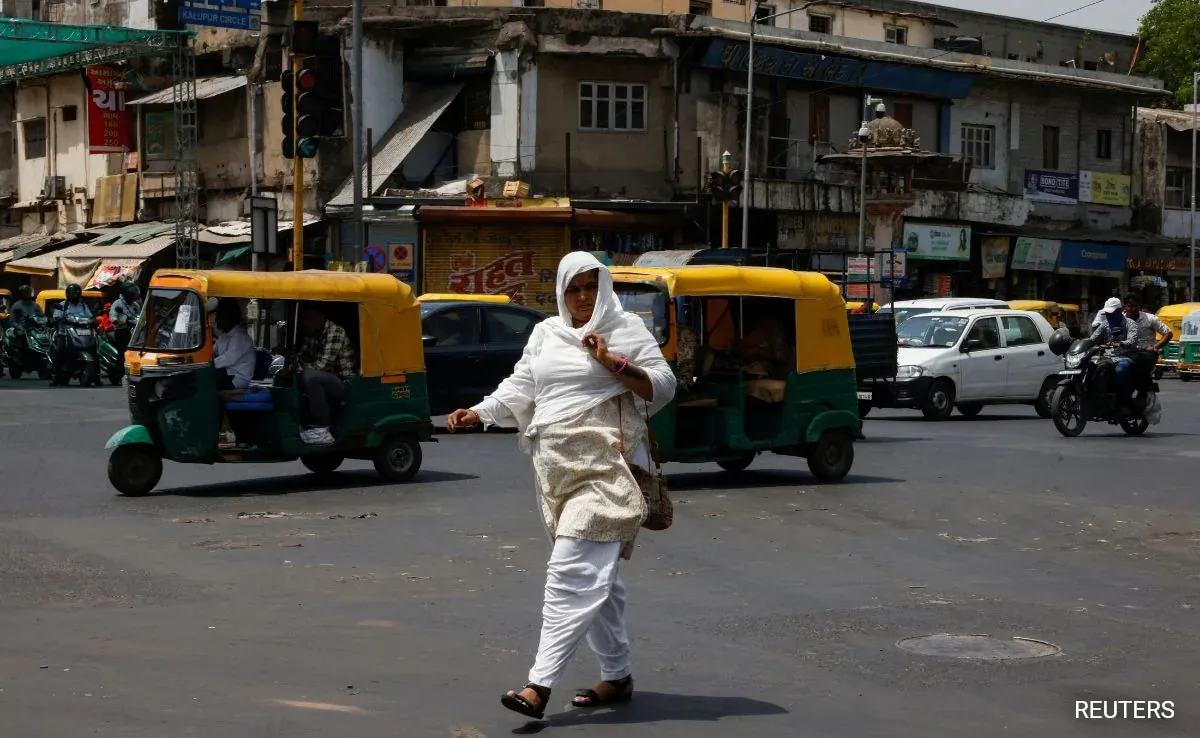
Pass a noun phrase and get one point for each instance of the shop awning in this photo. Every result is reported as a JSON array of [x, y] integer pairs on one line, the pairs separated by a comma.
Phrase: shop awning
[[420, 113], [240, 231], [206, 87], [97, 265], [35, 49], [111, 271]]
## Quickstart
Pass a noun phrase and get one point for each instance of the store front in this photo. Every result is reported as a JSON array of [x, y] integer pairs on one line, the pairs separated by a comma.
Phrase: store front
[[1090, 273], [939, 260], [624, 236], [1161, 281], [494, 251], [1032, 273]]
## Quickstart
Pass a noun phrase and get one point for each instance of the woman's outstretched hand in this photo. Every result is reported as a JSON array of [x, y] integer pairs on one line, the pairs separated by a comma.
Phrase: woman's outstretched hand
[[461, 420], [595, 345]]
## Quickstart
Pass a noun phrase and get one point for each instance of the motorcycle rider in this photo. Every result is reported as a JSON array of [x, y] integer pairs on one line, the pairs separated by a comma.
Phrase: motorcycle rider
[[1149, 328], [1115, 330], [124, 313], [24, 308], [72, 307]]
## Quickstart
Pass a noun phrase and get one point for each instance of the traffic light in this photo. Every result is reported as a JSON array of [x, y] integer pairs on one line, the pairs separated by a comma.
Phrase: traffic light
[[301, 119], [725, 186], [303, 37]]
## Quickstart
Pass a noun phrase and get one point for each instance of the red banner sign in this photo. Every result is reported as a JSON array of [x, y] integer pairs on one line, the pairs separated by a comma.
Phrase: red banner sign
[[109, 123]]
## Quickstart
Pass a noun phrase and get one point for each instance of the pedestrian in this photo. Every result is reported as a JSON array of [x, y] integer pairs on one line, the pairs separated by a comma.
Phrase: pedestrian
[[581, 396]]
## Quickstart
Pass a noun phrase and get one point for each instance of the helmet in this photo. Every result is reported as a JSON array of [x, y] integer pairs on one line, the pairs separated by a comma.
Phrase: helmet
[[24, 292], [74, 292], [131, 291], [1060, 342]]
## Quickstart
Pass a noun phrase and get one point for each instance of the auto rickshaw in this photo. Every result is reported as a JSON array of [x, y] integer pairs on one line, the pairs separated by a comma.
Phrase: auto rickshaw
[[734, 399], [454, 297], [1051, 311], [1189, 346], [47, 300], [178, 411], [1173, 316]]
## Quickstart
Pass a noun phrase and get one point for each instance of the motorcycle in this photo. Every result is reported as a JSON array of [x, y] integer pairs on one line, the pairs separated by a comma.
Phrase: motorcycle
[[112, 359], [76, 356], [27, 349], [1090, 389]]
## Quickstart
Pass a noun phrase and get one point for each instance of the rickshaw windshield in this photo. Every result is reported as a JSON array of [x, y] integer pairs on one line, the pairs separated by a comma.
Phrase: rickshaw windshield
[[931, 331], [650, 304], [171, 320]]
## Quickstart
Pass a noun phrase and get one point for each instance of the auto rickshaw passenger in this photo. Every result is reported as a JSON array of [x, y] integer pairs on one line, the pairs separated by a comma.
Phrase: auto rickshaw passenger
[[764, 349], [325, 360], [234, 354]]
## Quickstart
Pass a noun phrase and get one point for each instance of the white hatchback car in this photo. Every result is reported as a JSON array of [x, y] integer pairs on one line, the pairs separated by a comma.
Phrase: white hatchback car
[[971, 358], [906, 309]]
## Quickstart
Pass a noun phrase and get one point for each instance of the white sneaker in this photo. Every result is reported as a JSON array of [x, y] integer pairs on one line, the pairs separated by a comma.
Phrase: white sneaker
[[316, 437]]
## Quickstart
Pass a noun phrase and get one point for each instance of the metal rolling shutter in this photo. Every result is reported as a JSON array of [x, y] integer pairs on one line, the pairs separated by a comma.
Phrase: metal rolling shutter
[[515, 259]]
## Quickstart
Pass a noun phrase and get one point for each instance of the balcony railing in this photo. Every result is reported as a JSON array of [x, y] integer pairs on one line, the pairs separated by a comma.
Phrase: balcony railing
[[795, 159]]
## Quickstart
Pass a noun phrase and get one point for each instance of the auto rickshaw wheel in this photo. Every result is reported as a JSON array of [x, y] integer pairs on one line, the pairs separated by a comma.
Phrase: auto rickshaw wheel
[[15, 373], [135, 470], [322, 464], [864, 409], [1185, 377], [831, 457], [398, 458], [737, 465], [43, 373]]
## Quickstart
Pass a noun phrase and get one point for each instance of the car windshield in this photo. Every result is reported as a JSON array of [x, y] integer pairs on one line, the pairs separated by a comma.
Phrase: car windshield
[[172, 320], [903, 314], [650, 304], [931, 331]]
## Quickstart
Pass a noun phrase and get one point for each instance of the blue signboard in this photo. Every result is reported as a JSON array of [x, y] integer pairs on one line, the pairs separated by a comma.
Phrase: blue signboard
[[870, 75], [1091, 259], [1056, 187], [247, 17]]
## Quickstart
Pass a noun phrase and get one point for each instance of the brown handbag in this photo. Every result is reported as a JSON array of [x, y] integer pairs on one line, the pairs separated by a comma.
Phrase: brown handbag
[[660, 511]]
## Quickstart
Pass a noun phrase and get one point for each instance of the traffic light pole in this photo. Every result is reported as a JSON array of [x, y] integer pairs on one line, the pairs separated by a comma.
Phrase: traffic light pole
[[297, 162], [725, 209]]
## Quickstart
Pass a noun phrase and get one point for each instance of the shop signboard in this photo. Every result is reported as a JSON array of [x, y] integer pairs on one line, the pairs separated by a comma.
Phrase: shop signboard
[[937, 242], [1104, 188], [1052, 187], [110, 124], [892, 269], [401, 255], [1091, 259], [858, 269], [1035, 254], [994, 256]]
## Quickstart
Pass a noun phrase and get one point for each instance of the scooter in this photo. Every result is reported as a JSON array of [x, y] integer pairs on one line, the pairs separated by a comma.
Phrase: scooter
[[27, 349], [76, 352], [112, 359]]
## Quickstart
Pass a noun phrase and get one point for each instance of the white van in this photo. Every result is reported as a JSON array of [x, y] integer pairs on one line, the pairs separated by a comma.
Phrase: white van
[[905, 309], [968, 358]]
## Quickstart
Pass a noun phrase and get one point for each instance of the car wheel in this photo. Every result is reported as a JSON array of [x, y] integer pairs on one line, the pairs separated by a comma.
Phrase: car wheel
[[398, 458], [1042, 404], [970, 409], [939, 404], [737, 465], [135, 470], [322, 464], [832, 456]]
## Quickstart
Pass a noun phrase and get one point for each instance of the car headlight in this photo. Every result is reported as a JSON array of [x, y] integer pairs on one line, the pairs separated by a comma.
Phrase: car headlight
[[909, 372], [1074, 360]]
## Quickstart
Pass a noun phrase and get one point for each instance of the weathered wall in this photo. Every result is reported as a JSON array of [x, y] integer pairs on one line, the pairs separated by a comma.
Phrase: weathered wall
[[223, 150], [66, 140], [622, 163], [864, 24], [383, 84], [8, 147], [989, 107]]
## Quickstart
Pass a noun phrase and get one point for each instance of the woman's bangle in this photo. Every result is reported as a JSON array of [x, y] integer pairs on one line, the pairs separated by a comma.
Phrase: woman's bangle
[[621, 366]]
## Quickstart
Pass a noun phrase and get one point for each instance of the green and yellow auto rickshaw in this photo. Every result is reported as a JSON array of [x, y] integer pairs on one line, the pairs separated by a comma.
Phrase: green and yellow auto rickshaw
[[763, 360], [1189, 346], [178, 412], [1173, 316]]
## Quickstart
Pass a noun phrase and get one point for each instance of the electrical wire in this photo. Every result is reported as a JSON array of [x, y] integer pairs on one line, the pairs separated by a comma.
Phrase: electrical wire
[[1075, 10]]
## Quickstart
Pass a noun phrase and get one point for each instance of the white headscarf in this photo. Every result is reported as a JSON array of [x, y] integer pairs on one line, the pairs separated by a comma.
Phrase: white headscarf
[[557, 379]]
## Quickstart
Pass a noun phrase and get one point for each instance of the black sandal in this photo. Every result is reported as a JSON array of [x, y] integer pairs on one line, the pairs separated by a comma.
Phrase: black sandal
[[517, 703], [622, 692]]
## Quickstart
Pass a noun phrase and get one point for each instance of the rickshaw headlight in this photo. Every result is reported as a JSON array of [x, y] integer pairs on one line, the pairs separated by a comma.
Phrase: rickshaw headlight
[[909, 372]]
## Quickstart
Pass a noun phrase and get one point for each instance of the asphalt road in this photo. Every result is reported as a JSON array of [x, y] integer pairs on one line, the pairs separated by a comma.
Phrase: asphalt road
[[246, 601]]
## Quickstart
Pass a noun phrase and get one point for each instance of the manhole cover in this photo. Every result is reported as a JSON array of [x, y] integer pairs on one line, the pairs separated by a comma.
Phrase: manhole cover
[[978, 647]]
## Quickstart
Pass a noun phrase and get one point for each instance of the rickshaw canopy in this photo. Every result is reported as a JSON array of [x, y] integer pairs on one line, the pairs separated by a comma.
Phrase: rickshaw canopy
[[1035, 306], [389, 318], [452, 297], [1173, 315], [45, 296], [822, 328]]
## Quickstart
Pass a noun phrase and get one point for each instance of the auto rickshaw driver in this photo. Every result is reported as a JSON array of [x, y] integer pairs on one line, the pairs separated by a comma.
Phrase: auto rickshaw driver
[[323, 361]]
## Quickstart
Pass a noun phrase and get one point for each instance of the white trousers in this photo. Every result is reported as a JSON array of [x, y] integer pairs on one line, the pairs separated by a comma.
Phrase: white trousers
[[584, 597]]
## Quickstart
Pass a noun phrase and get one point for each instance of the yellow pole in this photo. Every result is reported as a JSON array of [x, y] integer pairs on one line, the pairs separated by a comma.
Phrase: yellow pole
[[725, 215], [297, 162]]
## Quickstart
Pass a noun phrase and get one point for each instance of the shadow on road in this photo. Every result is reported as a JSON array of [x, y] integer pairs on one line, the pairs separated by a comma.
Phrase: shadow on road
[[981, 418], [697, 481], [305, 483], [657, 707]]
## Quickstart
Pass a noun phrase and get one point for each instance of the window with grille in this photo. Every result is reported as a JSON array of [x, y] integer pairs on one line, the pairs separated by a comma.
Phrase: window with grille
[[34, 134], [820, 23], [612, 106], [1179, 188], [1104, 147], [979, 146], [895, 35]]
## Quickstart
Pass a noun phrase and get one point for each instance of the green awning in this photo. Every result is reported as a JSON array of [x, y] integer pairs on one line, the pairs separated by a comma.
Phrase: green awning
[[232, 255], [35, 49]]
